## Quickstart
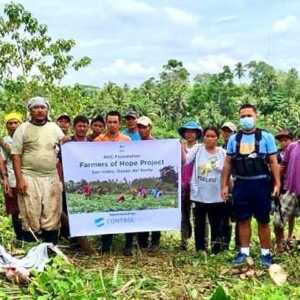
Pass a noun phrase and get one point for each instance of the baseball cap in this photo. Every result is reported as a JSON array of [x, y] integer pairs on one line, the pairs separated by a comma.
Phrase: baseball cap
[[65, 116], [230, 126], [131, 113], [144, 121]]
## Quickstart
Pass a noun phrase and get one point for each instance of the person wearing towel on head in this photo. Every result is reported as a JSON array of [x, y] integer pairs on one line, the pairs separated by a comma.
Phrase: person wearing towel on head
[[34, 154], [12, 121]]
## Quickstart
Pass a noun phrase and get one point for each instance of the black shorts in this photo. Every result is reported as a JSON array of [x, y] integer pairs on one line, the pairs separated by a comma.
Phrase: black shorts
[[252, 198]]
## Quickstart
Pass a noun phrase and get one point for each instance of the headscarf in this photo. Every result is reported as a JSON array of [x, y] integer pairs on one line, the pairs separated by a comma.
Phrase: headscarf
[[13, 116], [37, 101]]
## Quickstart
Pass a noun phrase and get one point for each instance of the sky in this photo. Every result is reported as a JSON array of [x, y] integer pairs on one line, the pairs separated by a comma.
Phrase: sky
[[130, 40]]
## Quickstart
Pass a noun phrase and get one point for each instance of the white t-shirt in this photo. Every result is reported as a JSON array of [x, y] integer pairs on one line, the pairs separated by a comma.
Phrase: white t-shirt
[[37, 146], [206, 178], [191, 149]]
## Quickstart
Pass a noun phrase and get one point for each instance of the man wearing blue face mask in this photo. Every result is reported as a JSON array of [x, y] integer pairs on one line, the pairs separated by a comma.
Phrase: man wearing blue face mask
[[251, 159]]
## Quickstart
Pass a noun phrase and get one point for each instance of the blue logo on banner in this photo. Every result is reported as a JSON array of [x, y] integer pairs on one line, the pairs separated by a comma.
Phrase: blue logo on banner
[[99, 222]]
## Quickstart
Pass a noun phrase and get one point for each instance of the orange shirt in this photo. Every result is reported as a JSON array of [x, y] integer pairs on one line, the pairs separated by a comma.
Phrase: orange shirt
[[107, 138]]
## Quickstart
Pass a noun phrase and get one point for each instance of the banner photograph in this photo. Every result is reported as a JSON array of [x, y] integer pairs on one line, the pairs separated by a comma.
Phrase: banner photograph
[[122, 187]]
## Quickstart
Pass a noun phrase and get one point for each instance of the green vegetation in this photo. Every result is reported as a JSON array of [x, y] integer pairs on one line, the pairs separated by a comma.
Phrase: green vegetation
[[169, 100], [78, 203], [169, 274]]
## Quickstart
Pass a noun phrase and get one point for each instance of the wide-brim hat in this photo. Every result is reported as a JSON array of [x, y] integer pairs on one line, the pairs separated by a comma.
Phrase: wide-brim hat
[[190, 125]]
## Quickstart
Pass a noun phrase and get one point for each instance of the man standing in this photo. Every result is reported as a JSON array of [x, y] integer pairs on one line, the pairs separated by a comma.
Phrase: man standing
[[12, 121], [228, 129], [290, 200], [113, 123], [131, 126], [144, 125], [34, 154], [97, 127], [251, 153], [64, 122], [113, 134], [81, 127]]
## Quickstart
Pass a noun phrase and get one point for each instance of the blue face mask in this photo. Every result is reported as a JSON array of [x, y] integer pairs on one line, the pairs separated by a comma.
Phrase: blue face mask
[[247, 123]]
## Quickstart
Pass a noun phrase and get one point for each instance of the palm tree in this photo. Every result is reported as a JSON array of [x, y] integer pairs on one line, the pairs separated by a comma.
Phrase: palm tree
[[239, 70]]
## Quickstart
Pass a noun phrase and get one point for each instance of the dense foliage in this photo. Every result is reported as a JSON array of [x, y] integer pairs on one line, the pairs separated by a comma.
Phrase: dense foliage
[[31, 63], [169, 100]]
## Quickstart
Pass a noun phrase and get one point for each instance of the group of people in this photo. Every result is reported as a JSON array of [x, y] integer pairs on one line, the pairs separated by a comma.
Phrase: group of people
[[238, 181], [221, 185], [30, 165]]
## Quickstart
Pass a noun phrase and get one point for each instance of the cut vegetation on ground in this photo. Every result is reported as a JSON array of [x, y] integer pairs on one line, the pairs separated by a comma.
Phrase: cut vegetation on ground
[[169, 274]]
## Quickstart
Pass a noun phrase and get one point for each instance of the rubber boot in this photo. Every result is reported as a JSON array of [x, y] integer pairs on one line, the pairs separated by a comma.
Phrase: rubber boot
[[50, 236], [17, 225], [127, 251], [28, 237]]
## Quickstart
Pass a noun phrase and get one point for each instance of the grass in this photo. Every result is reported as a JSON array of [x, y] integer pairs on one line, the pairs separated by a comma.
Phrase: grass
[[77, 203], [169, 274]]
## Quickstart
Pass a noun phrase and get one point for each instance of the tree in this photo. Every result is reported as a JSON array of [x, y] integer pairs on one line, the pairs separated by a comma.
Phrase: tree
[[239, 70], [291, 82], [172, 86], [28, 52]]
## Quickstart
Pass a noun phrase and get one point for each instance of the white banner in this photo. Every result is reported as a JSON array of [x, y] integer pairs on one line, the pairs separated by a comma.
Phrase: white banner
[[122, 187]]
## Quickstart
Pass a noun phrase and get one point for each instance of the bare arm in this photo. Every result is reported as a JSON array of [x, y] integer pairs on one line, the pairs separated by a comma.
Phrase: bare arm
[[17, 164], [3, 172], [5, 146], [275, 169], [2, 167], [282, 169], [225, 178]]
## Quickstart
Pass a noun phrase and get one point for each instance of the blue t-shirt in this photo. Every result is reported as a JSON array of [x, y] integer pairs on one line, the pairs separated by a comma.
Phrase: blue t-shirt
[[267, 144], [134, 136]]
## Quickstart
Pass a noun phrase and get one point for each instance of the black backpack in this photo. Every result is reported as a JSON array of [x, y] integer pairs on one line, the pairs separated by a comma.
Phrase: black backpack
[[246, 165]]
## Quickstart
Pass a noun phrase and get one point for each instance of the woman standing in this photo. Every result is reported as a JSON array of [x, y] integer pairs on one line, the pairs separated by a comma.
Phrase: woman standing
[[206, 189], [190, 132]]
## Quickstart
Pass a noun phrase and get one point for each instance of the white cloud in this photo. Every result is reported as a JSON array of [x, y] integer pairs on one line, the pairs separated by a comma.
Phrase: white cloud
[[204, 43], [210, 63], [130, 6], [180, 16], [285, 24], [226, 19], [121, 67]]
